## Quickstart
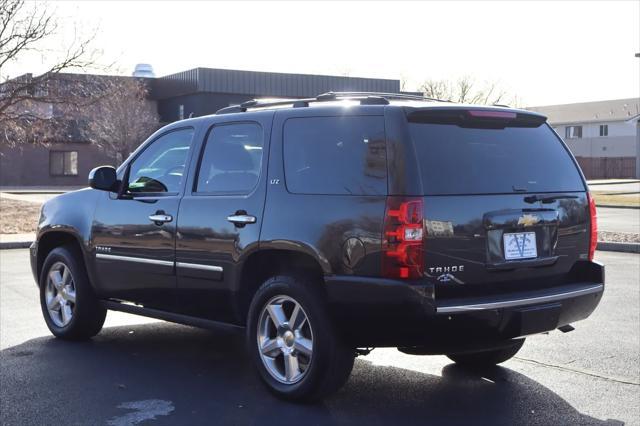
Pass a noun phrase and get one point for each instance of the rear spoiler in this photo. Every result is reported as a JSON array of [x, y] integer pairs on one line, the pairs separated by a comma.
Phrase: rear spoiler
[[487, 118]]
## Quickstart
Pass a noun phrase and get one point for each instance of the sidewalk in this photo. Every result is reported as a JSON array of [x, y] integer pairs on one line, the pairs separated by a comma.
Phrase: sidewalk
[[39, 189], [12, 241], [611, 181], [30, 197]]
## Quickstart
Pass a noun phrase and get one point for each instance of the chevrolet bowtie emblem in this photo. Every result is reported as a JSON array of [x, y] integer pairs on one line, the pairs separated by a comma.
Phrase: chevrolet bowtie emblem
[[528, 220]]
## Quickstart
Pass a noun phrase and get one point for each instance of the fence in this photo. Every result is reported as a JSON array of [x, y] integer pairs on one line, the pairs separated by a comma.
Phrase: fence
[[608, 167]]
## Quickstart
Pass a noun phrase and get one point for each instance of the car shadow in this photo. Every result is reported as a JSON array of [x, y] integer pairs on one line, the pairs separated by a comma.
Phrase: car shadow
[[207, 379]]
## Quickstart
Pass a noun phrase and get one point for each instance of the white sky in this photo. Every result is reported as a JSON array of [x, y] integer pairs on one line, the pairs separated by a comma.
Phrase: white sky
[[544, 52]]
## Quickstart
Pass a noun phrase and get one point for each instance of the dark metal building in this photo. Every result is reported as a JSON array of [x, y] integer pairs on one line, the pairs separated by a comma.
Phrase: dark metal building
[[203, 91]]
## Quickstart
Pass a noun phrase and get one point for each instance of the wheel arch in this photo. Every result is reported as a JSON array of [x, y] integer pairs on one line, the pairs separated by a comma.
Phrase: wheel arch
[[265, 263], [53, 239]]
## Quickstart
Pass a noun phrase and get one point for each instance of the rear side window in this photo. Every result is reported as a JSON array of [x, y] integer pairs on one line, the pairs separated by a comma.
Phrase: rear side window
[[335, 155], [463, 160], [232, 159]]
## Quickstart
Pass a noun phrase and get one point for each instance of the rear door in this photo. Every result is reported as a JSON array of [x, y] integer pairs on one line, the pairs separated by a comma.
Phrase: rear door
[[505, 204], [221, 214]]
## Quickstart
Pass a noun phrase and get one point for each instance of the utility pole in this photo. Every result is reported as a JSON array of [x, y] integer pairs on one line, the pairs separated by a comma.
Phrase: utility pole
[[638, 141]]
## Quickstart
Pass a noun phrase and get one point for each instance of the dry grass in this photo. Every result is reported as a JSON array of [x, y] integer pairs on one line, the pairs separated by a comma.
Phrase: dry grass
[[17, 217], [617, 199]]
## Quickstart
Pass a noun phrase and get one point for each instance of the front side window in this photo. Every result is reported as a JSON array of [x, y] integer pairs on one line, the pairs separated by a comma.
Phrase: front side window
[[63, 163], [232, 159], [161, 166], [573, 132], [604, 130], [335, 155]]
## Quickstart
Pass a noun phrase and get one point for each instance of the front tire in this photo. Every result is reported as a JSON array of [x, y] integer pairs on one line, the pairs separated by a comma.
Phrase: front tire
[[293, 342], [69, 306], [488, 358]]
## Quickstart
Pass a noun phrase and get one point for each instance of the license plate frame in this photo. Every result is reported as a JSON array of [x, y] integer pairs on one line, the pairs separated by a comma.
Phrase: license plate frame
[[519, 245]]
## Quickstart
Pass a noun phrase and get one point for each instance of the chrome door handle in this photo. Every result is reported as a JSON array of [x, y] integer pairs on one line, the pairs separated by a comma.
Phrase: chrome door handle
[[241, 219], [160, 218]]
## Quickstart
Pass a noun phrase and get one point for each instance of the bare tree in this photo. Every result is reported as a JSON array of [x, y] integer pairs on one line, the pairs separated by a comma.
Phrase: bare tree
[[32, 108], [123, 117], [466, 90], [437, 89]]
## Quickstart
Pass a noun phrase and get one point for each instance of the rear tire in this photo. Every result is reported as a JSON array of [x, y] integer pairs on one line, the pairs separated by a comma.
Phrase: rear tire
[[303, 358], [488, 358], [69, 305]]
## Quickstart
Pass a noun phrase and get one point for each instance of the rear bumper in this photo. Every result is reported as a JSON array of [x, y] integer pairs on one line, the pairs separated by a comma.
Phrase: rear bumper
[[520, 300], [374, 312]]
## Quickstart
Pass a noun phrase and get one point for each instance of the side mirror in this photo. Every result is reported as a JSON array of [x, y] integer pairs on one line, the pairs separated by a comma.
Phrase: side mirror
[[103, 178]]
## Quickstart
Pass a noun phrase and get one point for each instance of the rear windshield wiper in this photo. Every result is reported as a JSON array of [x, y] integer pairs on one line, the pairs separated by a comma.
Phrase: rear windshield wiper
[[547, 199]]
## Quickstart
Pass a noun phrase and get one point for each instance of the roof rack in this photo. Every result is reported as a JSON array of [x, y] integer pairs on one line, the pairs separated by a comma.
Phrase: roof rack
[[365, 98]]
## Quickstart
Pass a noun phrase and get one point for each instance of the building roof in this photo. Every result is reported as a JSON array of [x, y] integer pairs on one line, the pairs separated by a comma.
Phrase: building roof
[[613, 110], [271, 84]]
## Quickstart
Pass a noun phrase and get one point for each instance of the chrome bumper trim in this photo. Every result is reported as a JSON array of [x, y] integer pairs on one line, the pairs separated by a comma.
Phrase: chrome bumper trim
[[520, 302]]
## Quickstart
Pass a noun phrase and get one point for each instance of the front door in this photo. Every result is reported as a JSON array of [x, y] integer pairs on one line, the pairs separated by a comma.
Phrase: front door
[[134, 235], [221, 214]]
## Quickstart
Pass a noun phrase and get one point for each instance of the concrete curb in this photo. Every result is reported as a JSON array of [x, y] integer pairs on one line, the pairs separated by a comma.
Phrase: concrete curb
[[621, 247], [14, 244], [618, 207], [602, 246]]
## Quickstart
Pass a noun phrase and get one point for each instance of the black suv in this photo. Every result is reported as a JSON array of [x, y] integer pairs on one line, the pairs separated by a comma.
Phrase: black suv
[[329, 226]]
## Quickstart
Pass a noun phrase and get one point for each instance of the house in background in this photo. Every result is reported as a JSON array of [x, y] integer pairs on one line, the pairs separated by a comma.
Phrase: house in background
[[192, 93], [604, 136]]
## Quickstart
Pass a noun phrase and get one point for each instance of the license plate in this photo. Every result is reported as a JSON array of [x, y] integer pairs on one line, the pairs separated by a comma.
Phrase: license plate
[[521, 245]]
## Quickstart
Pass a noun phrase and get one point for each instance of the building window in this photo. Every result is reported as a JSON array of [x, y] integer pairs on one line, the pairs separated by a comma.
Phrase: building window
[[604, 130], [573, 132], [63, 163]]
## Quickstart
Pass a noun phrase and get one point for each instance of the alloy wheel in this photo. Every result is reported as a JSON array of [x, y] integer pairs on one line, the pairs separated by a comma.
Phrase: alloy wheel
[[60, 294], [285, 339]]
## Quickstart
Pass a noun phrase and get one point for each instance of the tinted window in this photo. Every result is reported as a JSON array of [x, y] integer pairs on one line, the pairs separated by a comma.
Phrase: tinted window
[[232, 159], [161, 166], [335, 155], [457, 160]]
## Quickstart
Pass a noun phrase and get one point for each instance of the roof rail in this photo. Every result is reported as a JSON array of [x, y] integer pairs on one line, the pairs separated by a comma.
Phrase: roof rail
[[365, 98], [406, 96]]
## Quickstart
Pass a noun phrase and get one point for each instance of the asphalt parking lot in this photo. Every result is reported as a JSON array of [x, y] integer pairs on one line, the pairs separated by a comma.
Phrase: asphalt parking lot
[[136, 369]]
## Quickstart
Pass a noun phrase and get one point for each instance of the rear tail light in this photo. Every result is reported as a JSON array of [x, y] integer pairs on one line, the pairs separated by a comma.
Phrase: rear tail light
[[402, 241], [593, 220]]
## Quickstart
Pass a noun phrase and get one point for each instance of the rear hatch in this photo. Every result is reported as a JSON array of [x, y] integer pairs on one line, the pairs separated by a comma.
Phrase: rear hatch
[[505, 205]]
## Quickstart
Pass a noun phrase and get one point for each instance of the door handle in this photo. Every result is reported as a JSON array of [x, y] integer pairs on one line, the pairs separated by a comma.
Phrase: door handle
[[160, 217], [241, 220]]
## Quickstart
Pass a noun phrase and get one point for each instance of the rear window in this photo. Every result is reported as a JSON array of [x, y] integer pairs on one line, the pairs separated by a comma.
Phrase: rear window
[[464, 160], [335, 155]]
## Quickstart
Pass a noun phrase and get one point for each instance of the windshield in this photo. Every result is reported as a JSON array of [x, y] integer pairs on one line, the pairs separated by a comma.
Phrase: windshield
[[465, 160]]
